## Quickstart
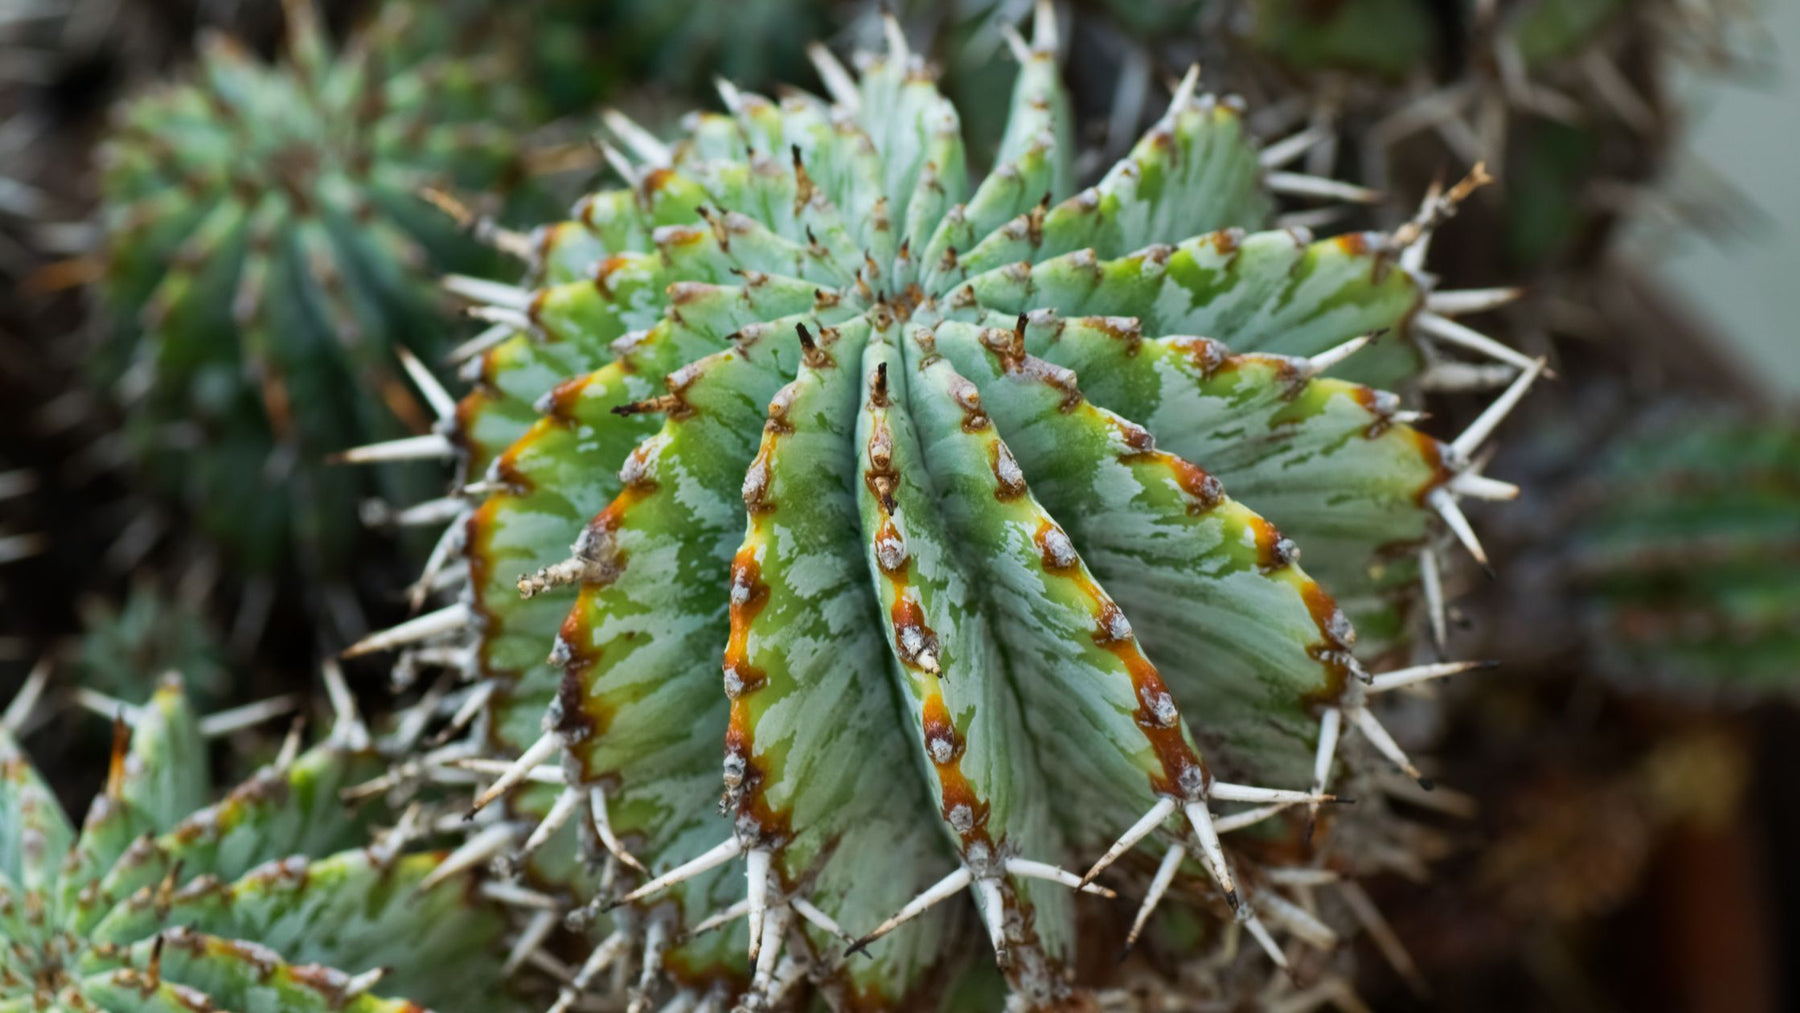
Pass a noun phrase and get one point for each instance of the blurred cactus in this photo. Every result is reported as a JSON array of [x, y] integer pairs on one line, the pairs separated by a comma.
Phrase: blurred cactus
[[266, 256], [124, 650], [1679, 548], [273, 898]]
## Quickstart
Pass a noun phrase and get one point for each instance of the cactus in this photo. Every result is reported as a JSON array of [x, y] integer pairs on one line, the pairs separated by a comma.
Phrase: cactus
[[1675, 543], [901, 449], [272, 898], [124, 649], [265, 258]]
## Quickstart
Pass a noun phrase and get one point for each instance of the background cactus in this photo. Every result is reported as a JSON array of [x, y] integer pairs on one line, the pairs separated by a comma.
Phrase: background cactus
[[124, 648], [266, 250], [882, 431], [271, 898]]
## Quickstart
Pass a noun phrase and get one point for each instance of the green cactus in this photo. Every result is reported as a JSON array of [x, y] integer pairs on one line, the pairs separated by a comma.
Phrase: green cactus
[[901, 447], [272, 898], [125, 649], [1389, 39], [1680, 550], [266, 255]]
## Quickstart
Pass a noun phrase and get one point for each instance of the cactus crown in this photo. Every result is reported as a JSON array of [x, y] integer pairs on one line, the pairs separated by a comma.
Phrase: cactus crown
[[935, 467], [265, 900]]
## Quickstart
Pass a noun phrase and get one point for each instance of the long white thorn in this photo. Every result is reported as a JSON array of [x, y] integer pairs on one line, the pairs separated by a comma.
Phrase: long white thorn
[[470, 709], [484, 845], [1460, 302], [480, 343], [1296, 919], [16, 483], [602, 819], [564, 807], [1471, 439], [346, 723], [225, 722], [1142, 828], [1450, 332], [532, 936], [483, 292], [756, 872], [448, 542], [1248, 817], [1045, 33], [993, 915], [642, 142], [898, 50], [725, 917], [1421, 673], [1330, 724], [1477, 486], [622, 165], [106, 706], [729, 95], [361, 983], [1332, 356], [431, 512], [1454, 377], [16, 547], [1050, 873], [549, 773], [837, 80], [1298, 184], [1301, 876], [1222, 792], [1210, 850], [1383, 934], [514, 895], [1260, 933], [539, 752], [1444, 503], [449, 619], [612, 949], [769, 954], [1159, 885], [1385, 744], [1184, 91], [442, 404], [19, 711], [809, 911], [1016, 44], [933, 895], [1289, 148], [1363, 909], [1436, 612], [656, 939], [429, 447], [718, 856]]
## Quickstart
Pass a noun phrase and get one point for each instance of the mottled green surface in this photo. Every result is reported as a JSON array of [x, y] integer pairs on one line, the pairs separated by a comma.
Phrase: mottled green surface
[[779, 397], [1686, 557], [270, 899]]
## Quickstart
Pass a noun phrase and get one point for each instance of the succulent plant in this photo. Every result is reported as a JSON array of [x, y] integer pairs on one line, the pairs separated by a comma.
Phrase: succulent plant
[[125, 649], [266, 253], [272, 898], [1673, 543], [916, 456]]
